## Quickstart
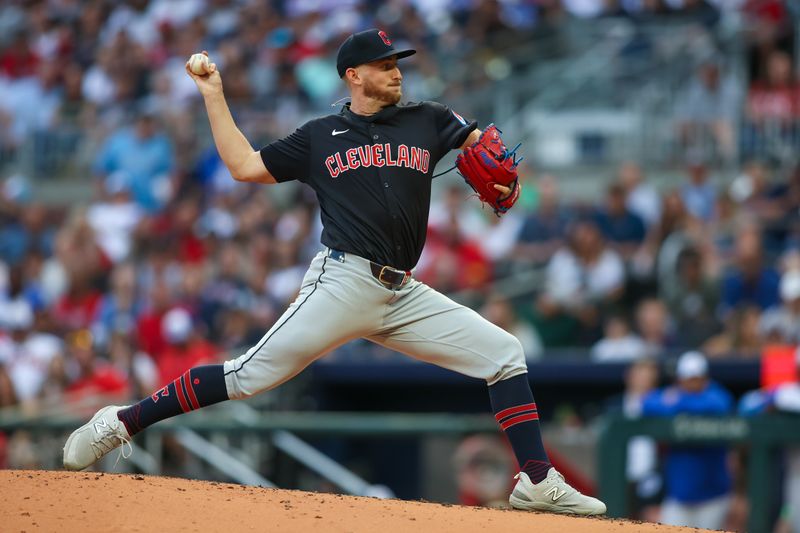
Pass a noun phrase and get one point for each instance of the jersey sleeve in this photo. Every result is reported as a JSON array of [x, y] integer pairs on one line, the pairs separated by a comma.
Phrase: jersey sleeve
[[453, 129], [288, 159]]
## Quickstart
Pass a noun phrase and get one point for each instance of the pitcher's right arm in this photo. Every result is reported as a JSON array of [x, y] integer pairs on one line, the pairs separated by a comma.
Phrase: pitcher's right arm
[[244, 163]]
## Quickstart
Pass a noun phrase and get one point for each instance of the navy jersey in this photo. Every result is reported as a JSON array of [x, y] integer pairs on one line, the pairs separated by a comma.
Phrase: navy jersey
[[372, 175]]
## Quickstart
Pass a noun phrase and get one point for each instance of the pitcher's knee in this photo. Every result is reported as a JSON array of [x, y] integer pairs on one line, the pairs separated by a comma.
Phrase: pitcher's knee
[[510, 359], [260, 370], [243, 381]]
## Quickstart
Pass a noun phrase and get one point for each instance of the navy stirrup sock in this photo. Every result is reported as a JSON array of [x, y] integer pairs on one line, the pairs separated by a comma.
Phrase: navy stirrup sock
[[196, 388], [515, 411]]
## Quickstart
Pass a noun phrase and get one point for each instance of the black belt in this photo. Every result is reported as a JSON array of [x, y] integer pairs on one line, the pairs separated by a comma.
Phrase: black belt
[[391, 278]]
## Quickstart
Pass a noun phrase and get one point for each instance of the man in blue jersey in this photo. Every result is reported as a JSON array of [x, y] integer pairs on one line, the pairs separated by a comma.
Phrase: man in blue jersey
[[698, 483]]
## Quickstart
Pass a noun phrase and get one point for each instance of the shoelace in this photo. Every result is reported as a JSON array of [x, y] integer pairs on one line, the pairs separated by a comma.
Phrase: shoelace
[[105, 440]]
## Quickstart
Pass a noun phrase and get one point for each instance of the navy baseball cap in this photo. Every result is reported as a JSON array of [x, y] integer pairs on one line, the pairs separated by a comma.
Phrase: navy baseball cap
[[366, 46]]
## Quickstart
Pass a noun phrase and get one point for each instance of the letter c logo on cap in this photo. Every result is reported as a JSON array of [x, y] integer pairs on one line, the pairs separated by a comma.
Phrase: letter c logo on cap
[[384, 38]]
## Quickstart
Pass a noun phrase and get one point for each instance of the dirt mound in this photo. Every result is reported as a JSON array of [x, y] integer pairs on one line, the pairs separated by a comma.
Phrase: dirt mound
[[89, 501]]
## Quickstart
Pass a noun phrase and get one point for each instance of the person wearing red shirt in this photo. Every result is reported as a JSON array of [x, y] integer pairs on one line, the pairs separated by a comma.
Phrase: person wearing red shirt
[[454, 262], [183, 349], [78, 308], [19, 60], [96, 377]]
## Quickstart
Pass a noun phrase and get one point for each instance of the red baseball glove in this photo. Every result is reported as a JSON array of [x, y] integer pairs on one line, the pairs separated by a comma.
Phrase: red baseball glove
[[487, 162]]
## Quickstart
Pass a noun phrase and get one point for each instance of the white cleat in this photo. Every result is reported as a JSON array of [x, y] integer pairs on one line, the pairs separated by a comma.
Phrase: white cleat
[[553, 495], [100, 435]]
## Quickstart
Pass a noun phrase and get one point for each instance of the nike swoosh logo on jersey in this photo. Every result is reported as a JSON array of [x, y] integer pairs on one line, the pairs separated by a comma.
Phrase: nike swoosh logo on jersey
[[335, 133]]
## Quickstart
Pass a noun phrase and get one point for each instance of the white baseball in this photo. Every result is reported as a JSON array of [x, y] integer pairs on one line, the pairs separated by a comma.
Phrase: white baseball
[[198, 64]]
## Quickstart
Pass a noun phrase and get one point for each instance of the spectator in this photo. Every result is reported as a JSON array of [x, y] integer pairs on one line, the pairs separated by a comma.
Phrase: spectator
[[53, 391], [115, 219], [453, 206], [624, 230], [32, 102], [781, 324], [137, 367], [692, 297], [148, 325], [676, 230], [768, 202], [581, 278], [499, 235], [654, 326], [237, 329], [95, 377], [645, 484], [145, 153], [159, 265], [674, 222], [752, 189], [718, 247], [642, 199], [181, 226], [78, 308], [698, 194], [483, 467], [227, 287], [774, 99], [452, 261], [18, 60], [283, 283], [25, 353], [619, 343], [190, 294], [707, 110], [544, 231], [740, 336], [185, 348], [21, 287], [98, 86], [772, 108], [751, 280], [120, 308], [29, 231], [499, 311], [698, 483]]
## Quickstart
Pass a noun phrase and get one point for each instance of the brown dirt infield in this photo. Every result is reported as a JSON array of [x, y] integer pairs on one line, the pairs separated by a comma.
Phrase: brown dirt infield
[[92, 501]]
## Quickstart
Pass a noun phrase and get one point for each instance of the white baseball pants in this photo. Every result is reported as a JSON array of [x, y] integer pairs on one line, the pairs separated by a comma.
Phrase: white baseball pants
[[341, 300]]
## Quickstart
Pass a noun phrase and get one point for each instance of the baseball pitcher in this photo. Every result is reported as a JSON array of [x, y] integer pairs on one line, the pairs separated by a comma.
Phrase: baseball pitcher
[[371, 166]]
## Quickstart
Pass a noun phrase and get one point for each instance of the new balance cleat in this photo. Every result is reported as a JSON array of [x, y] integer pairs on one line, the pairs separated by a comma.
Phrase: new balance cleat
[[553, 495], [100, 435]]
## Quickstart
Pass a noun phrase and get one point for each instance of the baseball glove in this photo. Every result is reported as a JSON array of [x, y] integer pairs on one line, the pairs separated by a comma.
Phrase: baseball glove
[[487, 162]]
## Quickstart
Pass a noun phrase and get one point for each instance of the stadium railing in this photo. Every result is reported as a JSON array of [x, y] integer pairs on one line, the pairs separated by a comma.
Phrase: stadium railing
[[763, 435]]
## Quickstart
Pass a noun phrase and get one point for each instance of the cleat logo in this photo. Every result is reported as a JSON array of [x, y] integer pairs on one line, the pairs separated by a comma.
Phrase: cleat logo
[[101, 424], [554, 494]]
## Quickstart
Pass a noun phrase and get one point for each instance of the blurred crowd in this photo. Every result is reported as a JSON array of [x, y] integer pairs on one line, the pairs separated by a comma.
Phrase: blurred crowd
[[72, 70], [640, 273]]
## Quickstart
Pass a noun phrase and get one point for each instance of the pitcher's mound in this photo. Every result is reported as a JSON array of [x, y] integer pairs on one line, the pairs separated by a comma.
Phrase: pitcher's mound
[[89, 501]]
